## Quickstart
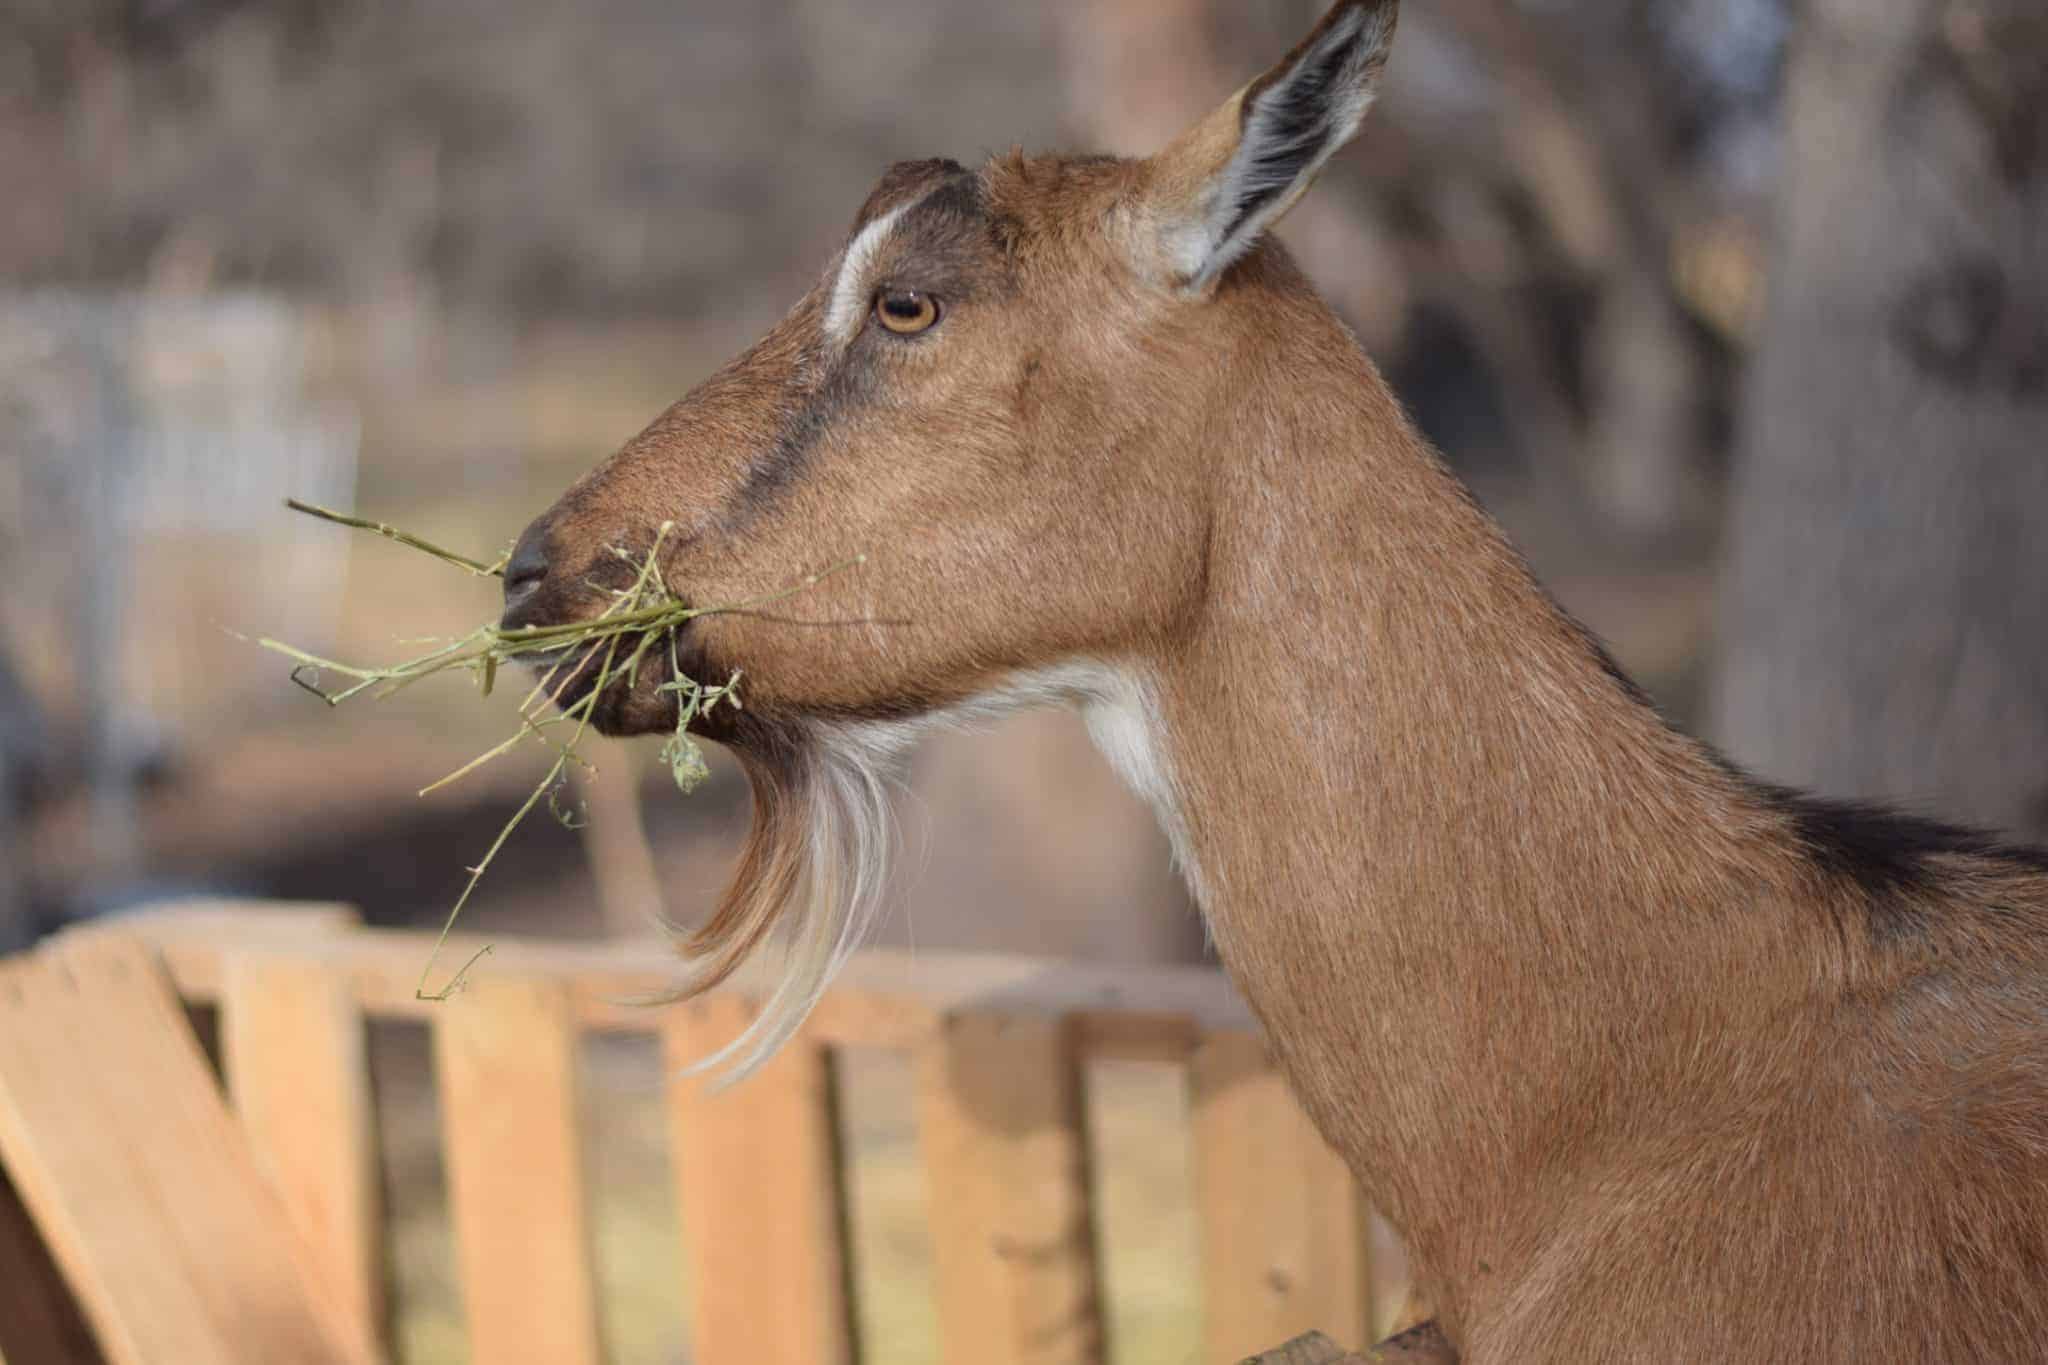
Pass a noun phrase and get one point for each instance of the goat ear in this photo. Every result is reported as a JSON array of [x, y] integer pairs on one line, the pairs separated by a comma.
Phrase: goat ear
[[1209, 195]]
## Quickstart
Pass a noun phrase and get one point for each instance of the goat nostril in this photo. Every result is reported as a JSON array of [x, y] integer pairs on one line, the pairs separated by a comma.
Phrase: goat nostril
[[528, 564]]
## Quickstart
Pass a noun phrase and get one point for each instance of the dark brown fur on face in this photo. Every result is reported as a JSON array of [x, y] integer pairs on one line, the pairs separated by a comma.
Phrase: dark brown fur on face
[[1647, 1061]]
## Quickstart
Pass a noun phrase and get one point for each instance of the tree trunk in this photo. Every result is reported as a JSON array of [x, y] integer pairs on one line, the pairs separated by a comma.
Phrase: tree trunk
[[1885, 612]]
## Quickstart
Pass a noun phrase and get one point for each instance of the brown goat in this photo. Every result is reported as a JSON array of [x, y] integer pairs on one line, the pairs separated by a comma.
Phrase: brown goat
[[1647, 1061]]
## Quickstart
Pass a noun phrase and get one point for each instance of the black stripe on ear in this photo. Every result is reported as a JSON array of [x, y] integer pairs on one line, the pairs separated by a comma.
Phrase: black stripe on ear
[[1284, 125], [1297, 114]]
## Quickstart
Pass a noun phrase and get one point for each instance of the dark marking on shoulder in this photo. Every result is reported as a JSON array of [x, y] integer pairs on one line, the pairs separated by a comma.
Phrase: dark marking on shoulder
[[1893, 859]]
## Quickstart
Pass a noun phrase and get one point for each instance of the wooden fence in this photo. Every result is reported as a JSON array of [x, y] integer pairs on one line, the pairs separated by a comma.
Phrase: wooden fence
[[999, 1045]]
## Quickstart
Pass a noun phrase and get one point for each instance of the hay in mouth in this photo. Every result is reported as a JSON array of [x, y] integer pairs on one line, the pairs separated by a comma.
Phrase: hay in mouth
[[581, 665]]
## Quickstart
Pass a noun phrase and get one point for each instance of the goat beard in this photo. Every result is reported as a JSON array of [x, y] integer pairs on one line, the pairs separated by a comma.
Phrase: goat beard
[[815, 863]]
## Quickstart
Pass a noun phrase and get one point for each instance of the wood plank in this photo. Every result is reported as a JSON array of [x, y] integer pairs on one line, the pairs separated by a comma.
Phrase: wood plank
[[39, 1319], [237, 923], [884, 998], [139, 1178], [758, 1180], [505, 1052], [292, 1048], [1283, 1229], [1005, 1152]]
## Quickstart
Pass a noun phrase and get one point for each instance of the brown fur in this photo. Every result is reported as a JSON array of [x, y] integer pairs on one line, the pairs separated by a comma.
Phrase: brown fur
[[1640, 1071]]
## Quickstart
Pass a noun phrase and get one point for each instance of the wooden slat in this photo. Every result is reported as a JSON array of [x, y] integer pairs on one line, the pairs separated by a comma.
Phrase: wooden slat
[[758, 1181], [505, 1051], [293, 1050], [229, 924], [1005, 1152], [144, 1187], [884, 998], [1283, 1228], [39, 1318]]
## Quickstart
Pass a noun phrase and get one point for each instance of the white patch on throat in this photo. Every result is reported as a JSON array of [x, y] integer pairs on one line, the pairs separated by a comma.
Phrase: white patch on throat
[[1125, 720], [1119, 703], [844, 876], [849, 306]]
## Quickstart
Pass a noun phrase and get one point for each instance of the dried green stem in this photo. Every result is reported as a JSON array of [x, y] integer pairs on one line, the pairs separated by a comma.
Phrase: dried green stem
[[475, 566], [632, 625]]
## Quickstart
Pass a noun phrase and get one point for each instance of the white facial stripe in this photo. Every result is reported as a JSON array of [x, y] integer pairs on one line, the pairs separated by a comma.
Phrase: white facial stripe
[[850, 291]]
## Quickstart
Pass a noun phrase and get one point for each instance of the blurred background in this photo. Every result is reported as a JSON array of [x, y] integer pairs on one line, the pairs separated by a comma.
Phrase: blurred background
[[1735, 311]]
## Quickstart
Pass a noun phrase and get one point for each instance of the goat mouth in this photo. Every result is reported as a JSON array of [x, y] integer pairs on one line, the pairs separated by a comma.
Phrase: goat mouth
[[628, 685], [615, 685]]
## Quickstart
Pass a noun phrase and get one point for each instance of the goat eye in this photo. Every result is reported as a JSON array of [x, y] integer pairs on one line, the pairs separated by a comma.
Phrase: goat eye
[[906, 312]]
